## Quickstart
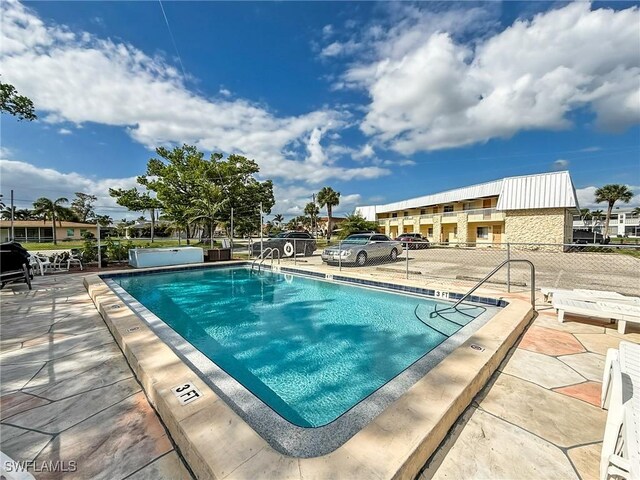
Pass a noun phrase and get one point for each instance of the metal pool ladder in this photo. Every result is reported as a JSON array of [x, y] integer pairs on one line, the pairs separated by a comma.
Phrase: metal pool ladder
[[266, 254], [532, 269]]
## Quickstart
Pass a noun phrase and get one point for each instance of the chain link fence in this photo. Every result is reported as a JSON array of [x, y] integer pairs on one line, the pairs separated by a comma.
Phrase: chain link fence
[[597, 267]]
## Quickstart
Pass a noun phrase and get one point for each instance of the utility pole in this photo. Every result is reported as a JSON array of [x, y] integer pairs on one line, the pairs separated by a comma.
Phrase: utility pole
[[314, 229], [261, 243], [99, 246], [13, 236], [231, 239]]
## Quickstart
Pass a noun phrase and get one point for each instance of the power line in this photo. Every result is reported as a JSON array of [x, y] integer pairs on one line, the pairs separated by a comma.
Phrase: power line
[[173, 40]]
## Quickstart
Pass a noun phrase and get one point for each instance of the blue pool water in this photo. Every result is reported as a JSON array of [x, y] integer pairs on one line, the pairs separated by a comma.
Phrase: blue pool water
[[309, 349]]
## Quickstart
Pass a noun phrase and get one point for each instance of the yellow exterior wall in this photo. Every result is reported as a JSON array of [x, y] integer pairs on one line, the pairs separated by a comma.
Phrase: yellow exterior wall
[[61, 232]]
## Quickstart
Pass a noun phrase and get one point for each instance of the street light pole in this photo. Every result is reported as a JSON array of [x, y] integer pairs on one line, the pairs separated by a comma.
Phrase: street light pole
[[261, 243]]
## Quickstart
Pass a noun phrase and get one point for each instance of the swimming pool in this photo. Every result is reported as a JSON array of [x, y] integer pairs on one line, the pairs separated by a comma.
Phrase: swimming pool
[[295, 355]]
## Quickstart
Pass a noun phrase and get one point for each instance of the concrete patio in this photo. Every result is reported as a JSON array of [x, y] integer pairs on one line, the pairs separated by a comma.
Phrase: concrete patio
[[68, 394]]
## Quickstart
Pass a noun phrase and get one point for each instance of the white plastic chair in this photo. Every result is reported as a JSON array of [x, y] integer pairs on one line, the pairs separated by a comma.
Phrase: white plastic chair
[[75, 260], [620, 383], [40, 262]]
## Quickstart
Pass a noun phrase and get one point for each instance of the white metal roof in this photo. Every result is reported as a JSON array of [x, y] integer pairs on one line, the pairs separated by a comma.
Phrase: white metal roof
[[543, 190]]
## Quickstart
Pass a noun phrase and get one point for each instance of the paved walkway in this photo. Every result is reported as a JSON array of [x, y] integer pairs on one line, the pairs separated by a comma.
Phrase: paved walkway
[[68, 394], [539, 417]]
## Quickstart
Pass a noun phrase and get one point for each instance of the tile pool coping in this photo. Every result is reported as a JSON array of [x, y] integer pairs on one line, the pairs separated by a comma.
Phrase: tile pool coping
[[217, 443], [281, 434]]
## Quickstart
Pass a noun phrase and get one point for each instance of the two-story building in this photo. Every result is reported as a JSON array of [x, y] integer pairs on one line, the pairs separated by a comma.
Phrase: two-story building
[[525, 209], [624, 222]]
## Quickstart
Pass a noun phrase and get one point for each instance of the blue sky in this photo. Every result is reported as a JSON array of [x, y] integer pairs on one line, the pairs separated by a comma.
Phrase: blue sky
[[381, 101]]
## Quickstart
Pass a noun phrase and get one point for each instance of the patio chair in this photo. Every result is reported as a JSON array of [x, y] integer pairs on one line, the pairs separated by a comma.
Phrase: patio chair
[[609, 310], [589, 295], [74, 258], [39, 262], [620, 455]]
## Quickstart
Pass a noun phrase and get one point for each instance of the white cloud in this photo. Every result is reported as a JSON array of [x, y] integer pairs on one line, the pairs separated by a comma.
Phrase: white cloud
[[327, 31], [65, 131], [367, 151], [225, 92], [77, 77], [587, 198], [339, 48], [402, 163], [428, 91], [291, 200], [30, 182], [560, 164]]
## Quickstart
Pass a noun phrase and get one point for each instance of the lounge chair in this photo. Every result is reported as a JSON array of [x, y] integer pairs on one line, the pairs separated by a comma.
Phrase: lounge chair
[[610, 310], [620, 455], [589, 295]]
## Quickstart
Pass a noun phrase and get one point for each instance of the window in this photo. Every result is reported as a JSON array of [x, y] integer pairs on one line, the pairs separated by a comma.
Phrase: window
[[430, 232], [482, 232], [379, 238], [467, 206], [448, 208], [423, 211], [405, 214], [394, 215], [70, 232], [455, 231], [435, 209]]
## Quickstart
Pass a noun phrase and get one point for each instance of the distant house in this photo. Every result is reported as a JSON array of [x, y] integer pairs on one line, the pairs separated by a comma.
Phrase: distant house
[[41, 232], [335, 222], [525, 209]]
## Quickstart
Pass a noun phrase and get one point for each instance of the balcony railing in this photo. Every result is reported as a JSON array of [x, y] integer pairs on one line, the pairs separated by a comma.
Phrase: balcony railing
[[477, 214], [484, 214]]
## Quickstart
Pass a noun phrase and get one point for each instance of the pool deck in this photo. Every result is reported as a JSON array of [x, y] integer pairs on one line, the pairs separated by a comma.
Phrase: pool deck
[[69, 394]]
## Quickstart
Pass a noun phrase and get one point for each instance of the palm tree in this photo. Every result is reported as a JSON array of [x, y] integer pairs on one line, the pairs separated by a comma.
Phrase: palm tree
[[585, 214], [328, 197], [355, 223], [49, 210], [636, 212], [18, 213], [312, 210], [611, 194], [278, 218]]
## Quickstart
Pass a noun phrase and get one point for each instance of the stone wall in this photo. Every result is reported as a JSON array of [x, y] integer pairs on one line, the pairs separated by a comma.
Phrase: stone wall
[[437, 228], [548, 225], [463, 227]]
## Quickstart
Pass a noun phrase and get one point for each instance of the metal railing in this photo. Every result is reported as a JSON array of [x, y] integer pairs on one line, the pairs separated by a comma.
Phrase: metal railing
[[266, 254], [487, 277]]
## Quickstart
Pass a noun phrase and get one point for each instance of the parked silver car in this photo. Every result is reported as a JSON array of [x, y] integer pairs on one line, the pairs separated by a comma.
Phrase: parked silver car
[[362, 248]]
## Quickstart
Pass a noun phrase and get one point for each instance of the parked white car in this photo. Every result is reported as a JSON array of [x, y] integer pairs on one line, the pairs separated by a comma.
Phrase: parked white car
[[362, 248]]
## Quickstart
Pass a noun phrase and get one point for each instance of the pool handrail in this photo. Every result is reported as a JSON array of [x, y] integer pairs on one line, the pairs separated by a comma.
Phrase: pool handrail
[[532, 269], [266, 254], [269, 255]]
